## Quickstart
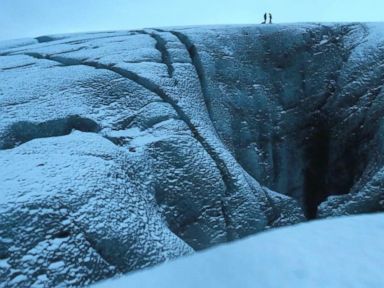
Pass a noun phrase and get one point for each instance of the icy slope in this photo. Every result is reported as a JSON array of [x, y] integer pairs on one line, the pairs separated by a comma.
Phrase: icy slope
[[344, 252], [122, 150]]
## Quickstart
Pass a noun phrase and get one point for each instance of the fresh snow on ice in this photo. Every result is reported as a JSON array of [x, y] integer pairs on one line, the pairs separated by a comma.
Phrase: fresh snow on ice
[[335, 253]]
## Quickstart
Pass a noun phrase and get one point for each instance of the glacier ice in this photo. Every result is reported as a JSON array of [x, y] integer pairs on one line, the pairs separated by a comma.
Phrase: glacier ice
[[122, 150]]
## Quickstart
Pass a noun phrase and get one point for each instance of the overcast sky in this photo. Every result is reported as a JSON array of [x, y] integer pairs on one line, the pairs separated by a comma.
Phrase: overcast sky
[[31, 18]]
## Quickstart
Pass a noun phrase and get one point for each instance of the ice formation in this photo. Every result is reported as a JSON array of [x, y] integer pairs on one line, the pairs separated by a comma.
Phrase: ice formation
[[122, 150]]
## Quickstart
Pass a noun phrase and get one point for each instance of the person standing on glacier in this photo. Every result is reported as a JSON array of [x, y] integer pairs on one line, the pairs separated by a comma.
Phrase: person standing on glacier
[[270, 18], [265, 18]]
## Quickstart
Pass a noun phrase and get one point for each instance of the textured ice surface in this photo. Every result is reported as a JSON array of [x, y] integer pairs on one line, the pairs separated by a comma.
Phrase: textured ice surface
[[345, 252], [122, 150]]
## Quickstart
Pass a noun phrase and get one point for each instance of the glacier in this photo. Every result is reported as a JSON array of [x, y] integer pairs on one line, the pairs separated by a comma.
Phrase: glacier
[[122, 150]]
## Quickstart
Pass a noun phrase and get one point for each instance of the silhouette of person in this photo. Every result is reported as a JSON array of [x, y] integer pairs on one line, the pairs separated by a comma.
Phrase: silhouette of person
[[270, 18], [265, 18]]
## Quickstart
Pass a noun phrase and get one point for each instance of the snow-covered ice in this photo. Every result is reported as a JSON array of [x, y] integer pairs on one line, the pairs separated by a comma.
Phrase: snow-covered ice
[[337, 253], [122, 150]]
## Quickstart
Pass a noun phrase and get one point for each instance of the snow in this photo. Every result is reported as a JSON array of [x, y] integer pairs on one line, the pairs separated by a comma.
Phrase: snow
[[344, 252]]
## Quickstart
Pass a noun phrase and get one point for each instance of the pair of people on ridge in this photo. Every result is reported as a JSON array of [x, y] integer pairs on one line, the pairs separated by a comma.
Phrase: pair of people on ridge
[[265, 18]]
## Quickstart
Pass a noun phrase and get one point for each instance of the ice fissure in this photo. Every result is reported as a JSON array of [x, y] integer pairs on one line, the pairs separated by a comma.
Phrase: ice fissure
[[161, 46], [309, 120], [24, 131], [196, 61]]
